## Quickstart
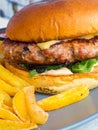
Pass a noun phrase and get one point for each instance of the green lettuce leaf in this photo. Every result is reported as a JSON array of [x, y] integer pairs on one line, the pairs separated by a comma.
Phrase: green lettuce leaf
[[33, 73], [79, 67], [84, 66]]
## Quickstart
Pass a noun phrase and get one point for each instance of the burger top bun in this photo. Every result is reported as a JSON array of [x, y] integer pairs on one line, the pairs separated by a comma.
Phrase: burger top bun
[[55, 19]]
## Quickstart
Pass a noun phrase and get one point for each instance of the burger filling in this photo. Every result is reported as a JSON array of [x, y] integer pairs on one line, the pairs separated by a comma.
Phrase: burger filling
[[78, 55]]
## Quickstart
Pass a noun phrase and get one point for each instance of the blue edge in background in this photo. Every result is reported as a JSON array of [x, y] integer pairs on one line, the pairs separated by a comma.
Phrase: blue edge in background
[[81, 122]]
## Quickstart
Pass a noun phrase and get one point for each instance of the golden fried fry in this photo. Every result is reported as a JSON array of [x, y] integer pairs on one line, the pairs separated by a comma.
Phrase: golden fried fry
[[19, 106], [8, 88], [5, 101], [5, 98], [19, 111], [8, 115], [12, 79], [64, 98], [18, 71], [7, 107], [36, 113], [13, 125]]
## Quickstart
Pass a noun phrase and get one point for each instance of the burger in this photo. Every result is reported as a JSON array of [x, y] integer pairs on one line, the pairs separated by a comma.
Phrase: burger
[[56, 41]]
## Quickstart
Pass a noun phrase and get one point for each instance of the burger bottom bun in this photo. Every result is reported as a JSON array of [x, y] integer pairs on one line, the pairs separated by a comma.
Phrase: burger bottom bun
[[49, 84]]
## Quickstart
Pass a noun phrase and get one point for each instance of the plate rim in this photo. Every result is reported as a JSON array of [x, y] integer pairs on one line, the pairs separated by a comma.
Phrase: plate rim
[[81, 122]]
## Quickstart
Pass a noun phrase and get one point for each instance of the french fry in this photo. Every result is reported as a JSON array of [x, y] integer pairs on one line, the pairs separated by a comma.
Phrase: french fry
[[19, 72], [37, 114], [8, 115], [5, 98], [19, 106], [8, 88], [11, 78], [13, 125], [7, 108], [5, 101], [64, 98]]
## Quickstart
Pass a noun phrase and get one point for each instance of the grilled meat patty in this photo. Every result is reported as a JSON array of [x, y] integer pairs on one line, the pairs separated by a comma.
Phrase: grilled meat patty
[[62, 52]]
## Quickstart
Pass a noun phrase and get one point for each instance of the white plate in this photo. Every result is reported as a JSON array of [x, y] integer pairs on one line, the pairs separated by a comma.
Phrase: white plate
[[74, 115]]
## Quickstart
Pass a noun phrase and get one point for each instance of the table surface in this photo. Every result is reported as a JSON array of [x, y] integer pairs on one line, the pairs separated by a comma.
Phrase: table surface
[[91, 125], [3, 22]]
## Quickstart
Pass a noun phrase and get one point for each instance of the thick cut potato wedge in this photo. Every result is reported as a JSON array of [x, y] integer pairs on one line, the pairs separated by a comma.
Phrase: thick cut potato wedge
[[5, 98], [7, 108], [8, 115], [36, 113], [5, 101], [56, 84], [11, 78], [19, 106], [8, 88], [13, 125], [64, 98]]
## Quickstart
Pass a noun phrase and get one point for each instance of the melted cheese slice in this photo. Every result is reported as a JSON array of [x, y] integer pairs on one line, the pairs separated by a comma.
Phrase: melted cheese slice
[[46, 45], [89, 36]]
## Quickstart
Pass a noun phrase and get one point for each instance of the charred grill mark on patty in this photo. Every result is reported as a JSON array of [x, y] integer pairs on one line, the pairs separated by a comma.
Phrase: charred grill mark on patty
[[26, 48], [63, 52]]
